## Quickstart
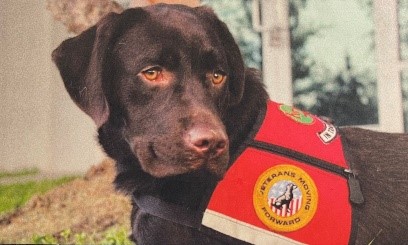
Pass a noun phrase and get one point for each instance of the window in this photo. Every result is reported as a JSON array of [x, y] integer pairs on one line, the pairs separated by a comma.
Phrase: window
[[404, 80], [333, 60], [339, 58], [403, 38]]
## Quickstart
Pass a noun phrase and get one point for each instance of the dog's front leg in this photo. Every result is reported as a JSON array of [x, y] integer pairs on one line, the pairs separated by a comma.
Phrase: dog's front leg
[[148, 229]]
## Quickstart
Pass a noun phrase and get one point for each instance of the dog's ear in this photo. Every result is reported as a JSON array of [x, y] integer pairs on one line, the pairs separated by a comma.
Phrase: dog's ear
[[81, 59], [234, 57]]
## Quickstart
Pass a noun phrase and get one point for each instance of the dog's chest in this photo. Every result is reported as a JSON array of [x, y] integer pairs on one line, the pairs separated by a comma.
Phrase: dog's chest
[[290, 182]]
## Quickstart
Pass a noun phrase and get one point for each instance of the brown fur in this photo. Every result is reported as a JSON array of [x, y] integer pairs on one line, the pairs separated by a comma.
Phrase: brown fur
[[148, 127]]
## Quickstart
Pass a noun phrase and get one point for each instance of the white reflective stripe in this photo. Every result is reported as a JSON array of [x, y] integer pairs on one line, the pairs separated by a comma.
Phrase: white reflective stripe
[[243, 231]]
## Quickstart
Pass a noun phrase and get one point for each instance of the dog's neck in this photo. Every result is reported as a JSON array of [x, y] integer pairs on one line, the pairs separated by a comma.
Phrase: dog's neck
[[242, 119]]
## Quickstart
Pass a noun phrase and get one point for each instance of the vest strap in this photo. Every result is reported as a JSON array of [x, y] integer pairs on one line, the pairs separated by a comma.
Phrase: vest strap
[[168, 211]]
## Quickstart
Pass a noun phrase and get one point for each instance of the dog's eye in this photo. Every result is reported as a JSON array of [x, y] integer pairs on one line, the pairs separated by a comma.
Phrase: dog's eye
[[152, 73], [217, 77]]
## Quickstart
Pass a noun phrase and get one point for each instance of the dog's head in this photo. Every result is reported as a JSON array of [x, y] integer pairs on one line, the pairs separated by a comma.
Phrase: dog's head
[[167, 74]]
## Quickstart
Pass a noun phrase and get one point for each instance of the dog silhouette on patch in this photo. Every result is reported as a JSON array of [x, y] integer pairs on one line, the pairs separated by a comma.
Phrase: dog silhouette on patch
[[285, 198]]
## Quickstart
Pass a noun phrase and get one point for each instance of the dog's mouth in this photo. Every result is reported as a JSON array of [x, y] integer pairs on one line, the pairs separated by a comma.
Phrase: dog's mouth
[[163, 158]]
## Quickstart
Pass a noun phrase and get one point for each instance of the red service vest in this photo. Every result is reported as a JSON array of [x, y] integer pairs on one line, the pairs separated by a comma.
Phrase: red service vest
[[288, 186]]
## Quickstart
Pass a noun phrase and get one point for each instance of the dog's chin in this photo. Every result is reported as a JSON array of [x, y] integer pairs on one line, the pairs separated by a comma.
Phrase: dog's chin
[[161, 168], [179, 162]]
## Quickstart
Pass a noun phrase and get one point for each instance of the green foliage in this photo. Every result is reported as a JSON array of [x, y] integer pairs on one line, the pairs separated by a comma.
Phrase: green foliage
[[24, 172], [403, 28], [113, 236], [80, 238], [237, 15], [404, 83], [116, 237], [48, 239], [348, 103], [346, 96], [13, 196], [301, 63]]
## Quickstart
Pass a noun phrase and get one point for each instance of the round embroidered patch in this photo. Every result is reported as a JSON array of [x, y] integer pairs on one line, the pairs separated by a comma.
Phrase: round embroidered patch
[[296, 114], [285, 198]]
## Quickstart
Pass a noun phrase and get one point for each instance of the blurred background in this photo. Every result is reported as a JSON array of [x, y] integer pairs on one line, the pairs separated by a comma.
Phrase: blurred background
[[345, 59]]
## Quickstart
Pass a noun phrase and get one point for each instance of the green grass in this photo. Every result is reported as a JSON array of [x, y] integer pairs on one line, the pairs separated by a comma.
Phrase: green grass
[[112, 236], [24, 172], [13, 196], [16, 195]]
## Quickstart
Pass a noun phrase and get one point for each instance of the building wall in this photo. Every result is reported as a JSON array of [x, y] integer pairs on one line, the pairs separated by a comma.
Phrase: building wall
[[39, 124]]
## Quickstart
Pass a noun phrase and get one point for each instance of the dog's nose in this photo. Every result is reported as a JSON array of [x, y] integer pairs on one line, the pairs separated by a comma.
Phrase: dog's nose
[[204, 140]]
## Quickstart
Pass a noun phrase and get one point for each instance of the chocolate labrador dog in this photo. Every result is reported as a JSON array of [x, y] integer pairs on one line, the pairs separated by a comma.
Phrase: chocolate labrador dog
[[173, 102]]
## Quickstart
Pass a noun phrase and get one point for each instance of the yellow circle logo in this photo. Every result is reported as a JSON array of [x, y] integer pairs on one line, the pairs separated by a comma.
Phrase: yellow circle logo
[[285, 198]]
